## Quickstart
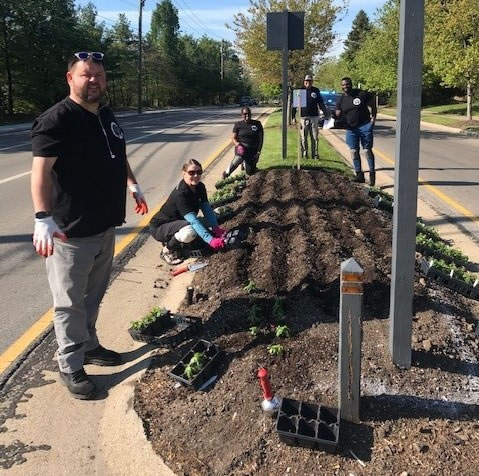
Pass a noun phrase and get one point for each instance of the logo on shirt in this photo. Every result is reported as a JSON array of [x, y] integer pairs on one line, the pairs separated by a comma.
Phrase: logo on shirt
[[116, 129], [314, 95], [356, 101], [254, 128]]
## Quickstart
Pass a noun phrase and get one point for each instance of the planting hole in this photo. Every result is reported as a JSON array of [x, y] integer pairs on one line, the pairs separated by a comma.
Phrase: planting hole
[[286, 424], [328, 416], [309, 411], [326, 433], [307, 428], [290, 407], [178, 369]]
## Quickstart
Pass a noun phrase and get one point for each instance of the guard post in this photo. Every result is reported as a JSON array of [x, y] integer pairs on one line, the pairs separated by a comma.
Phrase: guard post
[[350, 336]]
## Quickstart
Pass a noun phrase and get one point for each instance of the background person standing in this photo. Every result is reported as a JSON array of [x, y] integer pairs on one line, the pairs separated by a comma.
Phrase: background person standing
[[79, 178], [353, 106], [310, 118], [247, 138]]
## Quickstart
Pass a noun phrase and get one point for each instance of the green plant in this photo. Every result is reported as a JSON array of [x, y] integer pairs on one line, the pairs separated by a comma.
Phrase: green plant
[[222, 210], [439, 246], [254, 331], [283, 331], [278, 311], [195, 365], [275, 349], [149, 318], [427, 230], [381, 193], [250, 287], [224, 193], [241, 177], [254, 316], [452, 270]]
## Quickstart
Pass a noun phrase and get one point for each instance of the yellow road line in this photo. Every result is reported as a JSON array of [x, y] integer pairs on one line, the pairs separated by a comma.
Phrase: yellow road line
[[32, 333], [435, 191]]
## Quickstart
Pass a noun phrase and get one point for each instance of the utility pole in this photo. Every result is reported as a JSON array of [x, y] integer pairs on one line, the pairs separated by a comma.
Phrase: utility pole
[[142, 4], [222, 71]]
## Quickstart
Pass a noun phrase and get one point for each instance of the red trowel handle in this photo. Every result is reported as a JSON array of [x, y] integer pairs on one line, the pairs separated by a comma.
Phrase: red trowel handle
[[179, 270], [265, 385]]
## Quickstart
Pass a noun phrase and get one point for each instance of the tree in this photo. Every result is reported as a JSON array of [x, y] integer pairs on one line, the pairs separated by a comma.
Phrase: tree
[[329, 72], [452, 43], [360, 29], [265, 66]]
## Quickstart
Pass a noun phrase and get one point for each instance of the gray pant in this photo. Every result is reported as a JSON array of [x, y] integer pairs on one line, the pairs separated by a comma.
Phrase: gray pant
[[79, 272], [309, 128]]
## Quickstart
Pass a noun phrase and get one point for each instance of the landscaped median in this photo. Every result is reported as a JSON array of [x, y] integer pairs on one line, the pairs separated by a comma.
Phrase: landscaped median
[[272, 301]]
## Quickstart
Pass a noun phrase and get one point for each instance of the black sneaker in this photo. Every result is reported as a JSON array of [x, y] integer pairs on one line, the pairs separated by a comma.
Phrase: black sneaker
[[224, 175], [102, 356], [79, 384]]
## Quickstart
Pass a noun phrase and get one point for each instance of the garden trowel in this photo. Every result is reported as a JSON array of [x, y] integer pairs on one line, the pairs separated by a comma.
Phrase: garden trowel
[[188, 267]]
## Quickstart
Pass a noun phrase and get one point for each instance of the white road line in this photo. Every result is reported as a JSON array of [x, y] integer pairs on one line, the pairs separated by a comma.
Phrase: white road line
[[16, 145], [14, 177]]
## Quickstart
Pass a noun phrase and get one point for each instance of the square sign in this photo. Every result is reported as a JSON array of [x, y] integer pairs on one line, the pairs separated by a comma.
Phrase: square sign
[[299, 98], [280, 24]]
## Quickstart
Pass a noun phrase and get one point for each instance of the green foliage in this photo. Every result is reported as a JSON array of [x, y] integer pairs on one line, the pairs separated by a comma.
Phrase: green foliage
[[360, 30], [195, 365], [233, 179], [329, 73], [150, 318], [458, 272], [427, 231], [275, 349], [278, 311], [222, 210], [223, 193], [378, 191], [250, 287], [283, 331], [441, 247], [254, 330], [254, 315]]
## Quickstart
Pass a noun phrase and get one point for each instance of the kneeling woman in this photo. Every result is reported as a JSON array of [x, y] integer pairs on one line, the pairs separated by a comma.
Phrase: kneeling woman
[[176, 224]]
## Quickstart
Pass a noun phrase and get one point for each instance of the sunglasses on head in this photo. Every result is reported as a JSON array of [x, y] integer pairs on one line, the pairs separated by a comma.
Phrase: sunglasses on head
[[85, 55], [192, 173]]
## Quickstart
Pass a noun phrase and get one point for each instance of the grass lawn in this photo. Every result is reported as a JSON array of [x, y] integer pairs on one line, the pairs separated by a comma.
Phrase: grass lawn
[[443, 115], [272, 149]]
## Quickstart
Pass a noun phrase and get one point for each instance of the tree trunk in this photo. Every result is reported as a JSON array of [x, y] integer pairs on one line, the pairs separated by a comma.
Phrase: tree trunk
[[7, 66], [469, 101]]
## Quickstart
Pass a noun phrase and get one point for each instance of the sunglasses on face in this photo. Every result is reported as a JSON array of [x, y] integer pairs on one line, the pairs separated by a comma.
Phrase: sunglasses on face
[[192, 173], [85, 55]]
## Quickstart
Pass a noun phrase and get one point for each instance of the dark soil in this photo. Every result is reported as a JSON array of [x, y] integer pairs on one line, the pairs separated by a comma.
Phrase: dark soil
[[301, 225]]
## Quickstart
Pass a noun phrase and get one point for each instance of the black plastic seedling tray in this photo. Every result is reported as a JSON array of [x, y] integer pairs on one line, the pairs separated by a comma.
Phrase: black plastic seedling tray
[[235, 237], [382, 204], [308, 424], [213, 358], [173, 330], [452, 283], [424, 250]]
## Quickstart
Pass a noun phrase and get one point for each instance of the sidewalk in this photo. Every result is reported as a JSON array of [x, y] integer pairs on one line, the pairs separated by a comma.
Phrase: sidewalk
[[47, 432]]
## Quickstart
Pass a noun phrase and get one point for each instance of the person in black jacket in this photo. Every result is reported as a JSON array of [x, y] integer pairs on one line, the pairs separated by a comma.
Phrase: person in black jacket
[[310, 118], [79, 177], [247, 138], [353, 107], [177, 225]]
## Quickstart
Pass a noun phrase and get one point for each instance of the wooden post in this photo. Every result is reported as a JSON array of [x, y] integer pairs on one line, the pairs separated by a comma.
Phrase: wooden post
[[350, 336], [411, 31]]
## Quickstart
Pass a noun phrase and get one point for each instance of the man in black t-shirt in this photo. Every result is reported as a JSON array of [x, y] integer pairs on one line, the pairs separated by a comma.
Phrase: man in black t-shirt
[[248, 140], [353, 107], [79, 178], [310, 118]]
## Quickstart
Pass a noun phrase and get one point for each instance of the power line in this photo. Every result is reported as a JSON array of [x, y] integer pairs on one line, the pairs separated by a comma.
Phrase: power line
[[200, 22]]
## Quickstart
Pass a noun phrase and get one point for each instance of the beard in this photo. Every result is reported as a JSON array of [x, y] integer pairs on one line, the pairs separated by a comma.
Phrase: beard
[[92, 95]]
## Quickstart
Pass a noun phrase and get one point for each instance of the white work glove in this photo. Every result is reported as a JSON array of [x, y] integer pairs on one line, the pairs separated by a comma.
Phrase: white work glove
[[45, 230], [141, 207]]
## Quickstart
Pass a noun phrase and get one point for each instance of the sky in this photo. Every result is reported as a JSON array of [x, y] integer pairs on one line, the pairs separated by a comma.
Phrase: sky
[[208, 17]]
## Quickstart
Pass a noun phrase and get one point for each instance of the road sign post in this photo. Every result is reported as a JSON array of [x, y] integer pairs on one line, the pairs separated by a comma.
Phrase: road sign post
[[411, 32]]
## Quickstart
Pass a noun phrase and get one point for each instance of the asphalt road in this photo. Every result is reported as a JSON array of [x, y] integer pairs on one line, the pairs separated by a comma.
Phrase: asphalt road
[[157, 145], [448, 161]]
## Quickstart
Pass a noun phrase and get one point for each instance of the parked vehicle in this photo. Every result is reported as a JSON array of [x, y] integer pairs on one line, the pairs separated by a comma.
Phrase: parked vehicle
[[247, 101], [330, 99]]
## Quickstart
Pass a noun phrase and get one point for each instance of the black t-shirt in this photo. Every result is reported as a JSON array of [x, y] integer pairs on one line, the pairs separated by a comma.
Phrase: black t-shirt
[[313, 100], [354, 107], [182, 200], [249, 133], [90, 172]]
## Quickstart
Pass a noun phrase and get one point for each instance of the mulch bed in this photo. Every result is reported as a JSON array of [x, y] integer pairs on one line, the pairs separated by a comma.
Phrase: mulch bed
[[301, 225]]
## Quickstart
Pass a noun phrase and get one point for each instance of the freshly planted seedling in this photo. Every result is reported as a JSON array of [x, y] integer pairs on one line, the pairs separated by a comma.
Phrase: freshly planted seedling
[[428, 231], [283, 331], [148, 319], [195, 365], [223, 210], [275, 349], [254, 330], [254, 316], [250, 287], [222, 194], [278, 311], [455, 271], [440, 247], [230, 180]]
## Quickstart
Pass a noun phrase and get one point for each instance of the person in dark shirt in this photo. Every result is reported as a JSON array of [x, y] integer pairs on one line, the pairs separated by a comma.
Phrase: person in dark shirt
[[78, 183], [310, 118], [177, 225], [248, 141], [353, 107]]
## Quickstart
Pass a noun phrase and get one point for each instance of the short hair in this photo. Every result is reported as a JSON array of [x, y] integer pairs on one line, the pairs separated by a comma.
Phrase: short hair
[[347, 78], [74, 60], [191, 162], [245, 108]]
